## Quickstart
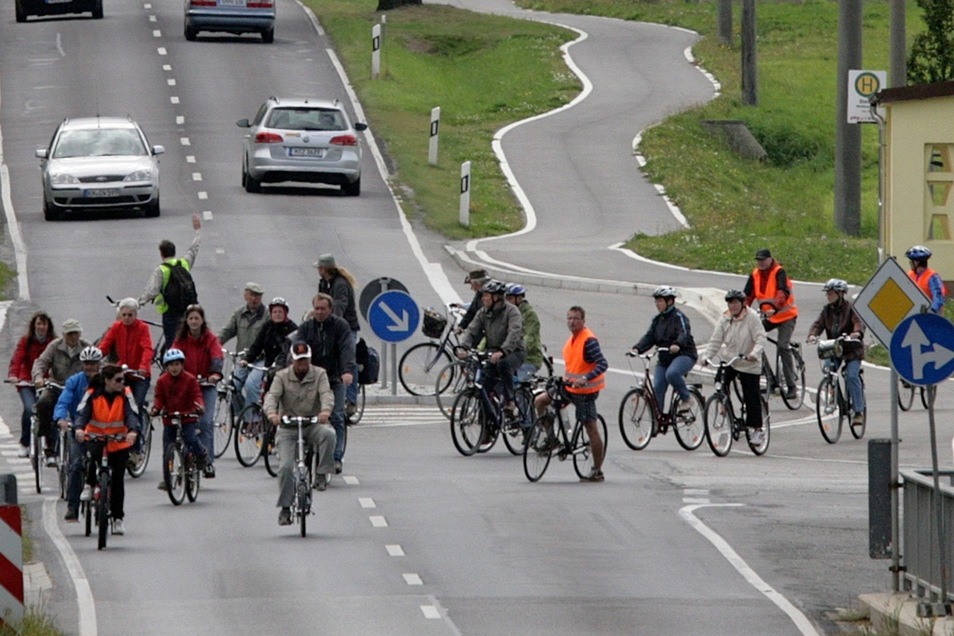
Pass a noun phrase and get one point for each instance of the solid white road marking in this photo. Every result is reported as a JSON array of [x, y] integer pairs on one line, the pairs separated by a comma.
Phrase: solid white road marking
[[84, 595]]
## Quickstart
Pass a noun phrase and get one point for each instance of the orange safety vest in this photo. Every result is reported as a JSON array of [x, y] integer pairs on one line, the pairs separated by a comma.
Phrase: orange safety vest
[[922, 281], [765, 287], [110, 419], [577, 367]]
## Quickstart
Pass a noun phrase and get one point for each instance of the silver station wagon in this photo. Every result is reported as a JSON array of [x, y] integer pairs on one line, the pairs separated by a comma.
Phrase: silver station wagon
[[230, 16]]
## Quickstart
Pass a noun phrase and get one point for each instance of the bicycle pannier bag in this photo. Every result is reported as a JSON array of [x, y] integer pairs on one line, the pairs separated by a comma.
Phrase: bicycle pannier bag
[[368, 361], [829, 349]]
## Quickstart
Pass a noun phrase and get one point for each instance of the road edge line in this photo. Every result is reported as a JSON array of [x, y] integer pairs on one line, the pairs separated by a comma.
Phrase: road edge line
[[84, 594]]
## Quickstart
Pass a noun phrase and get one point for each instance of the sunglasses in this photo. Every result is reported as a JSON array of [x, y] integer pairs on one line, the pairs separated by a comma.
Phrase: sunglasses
[[117, 378]]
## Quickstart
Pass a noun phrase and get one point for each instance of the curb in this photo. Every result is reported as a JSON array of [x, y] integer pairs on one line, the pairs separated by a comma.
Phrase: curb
[[897, 613]]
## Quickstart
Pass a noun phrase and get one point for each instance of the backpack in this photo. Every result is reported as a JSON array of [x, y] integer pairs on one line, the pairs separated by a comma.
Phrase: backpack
[[368, 361], [179, 291]]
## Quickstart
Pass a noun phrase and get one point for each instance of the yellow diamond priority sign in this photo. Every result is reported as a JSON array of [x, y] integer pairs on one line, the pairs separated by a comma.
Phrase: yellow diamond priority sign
[[887, 299]]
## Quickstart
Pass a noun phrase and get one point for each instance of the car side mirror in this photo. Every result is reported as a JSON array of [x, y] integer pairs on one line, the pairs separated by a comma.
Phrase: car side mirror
[[360, 127], [158, 150], [41, 153], [243, 123]]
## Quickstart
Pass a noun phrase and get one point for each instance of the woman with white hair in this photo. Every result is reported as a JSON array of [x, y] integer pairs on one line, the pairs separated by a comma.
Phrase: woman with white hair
[[128, 342]]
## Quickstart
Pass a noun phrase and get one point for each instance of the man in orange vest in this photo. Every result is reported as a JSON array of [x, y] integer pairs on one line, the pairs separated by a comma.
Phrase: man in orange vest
[[770, 289], [927, 280], [584, 377]]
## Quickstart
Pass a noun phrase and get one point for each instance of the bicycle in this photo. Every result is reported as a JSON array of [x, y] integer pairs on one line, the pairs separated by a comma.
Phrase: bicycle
[[102, 491], [773, 376], [301, 473], [223, 422], [138, 467], [549, 435], [418, 367], [180, 468], [641, 419], [478, 417], [906, 395], [251, 432], [723, 425], [37, 449], [833, 404]]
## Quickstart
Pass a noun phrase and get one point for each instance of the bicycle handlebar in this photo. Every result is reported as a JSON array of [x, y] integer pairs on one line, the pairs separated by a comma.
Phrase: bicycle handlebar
[[299, 419]]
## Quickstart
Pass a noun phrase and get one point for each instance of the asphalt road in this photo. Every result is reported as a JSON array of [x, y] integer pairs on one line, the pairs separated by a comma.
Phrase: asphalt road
[[416, 539]]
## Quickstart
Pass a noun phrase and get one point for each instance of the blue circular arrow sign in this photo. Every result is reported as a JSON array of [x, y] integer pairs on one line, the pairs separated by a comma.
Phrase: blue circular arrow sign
[[394, 316], [922, 349]]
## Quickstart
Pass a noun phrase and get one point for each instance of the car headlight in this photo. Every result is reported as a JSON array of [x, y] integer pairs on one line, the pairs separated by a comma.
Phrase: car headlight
[[139, 175], [63, 178]]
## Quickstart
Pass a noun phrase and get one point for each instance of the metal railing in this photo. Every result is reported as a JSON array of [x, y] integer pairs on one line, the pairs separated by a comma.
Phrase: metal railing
[[919, 537]]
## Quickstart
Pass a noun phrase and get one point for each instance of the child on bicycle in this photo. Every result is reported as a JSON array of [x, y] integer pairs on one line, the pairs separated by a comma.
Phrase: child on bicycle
[[741, 334], [177, 390]]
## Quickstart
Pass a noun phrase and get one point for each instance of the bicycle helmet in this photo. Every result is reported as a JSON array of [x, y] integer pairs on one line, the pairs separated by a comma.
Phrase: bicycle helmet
[[172, 355], [515, 289], [836, 285], [664, 291], [734, 294], [278, 301], [918, 253], [493, 287], [91, 354]]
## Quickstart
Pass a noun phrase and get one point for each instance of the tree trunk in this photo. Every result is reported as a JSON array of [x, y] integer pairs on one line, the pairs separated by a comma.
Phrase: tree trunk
[[385, 5]]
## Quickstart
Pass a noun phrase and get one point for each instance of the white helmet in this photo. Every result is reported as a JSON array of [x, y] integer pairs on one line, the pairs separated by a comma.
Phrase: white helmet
[[664, 291]]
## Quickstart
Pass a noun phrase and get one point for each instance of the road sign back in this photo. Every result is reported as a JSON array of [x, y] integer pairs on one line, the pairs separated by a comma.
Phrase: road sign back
[[887, 299]]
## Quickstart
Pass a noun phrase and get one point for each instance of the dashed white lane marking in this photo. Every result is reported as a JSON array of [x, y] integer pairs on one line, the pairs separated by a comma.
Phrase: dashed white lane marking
[[167, 67], [152, 18], [430, 611], [394, 550], [351, 480], [367, 502], [207, 215], [190, 158], [173, 100], [203, 196], [179, 121], [170, 81], [412, 579], [157, 33], [801, 621], [378, 521], [162, 50], [185, 141], [197, 176]]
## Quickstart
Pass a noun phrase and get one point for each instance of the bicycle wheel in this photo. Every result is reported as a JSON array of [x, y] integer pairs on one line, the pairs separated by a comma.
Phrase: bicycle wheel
[[905, 395], [173, 472], [514, 432], [270, 451], [419, 367], [795, 403], [87, 511], [249, 435], [451, 380], [690, 427], [192, 477], [303, 494], [828, 410], [537, 451], [466, 422], [102, 509], [760, 448], [66, 458], [925, 399], [636, 419], [858, 430], [358, 407], [489, 432], [718, 421], [36, 453], [136, 469], [223, 423], [583, 459]]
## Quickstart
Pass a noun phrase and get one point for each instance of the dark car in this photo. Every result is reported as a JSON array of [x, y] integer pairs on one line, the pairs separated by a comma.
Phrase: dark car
[[26, 8]]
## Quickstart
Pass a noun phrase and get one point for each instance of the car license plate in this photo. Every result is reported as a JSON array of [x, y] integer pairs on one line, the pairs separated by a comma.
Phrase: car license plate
[[100, 193], [57, 1], [306, 152], [231, 3]]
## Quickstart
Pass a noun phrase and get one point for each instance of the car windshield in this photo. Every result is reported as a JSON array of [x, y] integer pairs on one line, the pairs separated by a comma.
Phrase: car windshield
[[99, 142], [306, 119]]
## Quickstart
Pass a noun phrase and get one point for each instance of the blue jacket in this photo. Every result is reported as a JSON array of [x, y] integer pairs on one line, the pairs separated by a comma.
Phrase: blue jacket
[[70, 397]]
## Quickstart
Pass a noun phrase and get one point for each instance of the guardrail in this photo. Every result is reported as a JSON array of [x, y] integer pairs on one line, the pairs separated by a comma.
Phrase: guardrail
[[921, 573]]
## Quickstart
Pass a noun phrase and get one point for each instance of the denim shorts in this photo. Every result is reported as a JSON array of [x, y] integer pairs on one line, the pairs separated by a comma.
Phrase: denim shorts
[[585, 404]]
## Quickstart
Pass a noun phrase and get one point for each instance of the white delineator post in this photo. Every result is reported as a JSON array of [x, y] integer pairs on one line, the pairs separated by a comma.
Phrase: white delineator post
[[435, 129], [465, 194], [375, 51]]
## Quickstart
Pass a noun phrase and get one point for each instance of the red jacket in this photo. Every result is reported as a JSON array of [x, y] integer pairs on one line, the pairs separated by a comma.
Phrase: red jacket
[[130, 345], [203, 355], [28, 350], [177, 393]]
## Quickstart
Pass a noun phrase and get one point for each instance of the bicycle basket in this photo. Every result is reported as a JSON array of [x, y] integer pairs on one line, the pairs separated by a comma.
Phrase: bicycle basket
[[433, 324], [828, 349]]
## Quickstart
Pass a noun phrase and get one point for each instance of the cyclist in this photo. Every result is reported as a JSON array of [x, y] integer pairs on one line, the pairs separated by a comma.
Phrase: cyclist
[[304, 390], [244, 325], [928, 280], [838, 318], [160, 278], [475, 279], [339, 283], [203, 359], [271, 340], [670, 332], [740, 333], [585, 376], [770, 288], [108, 408], [59, 361], [177, 390], [30, 346], [517, 295], [65, 413], [499, 323]]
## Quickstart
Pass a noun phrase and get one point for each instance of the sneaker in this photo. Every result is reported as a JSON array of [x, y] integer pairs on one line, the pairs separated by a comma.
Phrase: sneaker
[[23, 451], [858, 419], [87, 493], [321, 482], [757, 437], [203, 462], [162, 485], [284, 517], [51, 461], [791, 394], [134, 460], [595, 475], [209, 472], [337, 466], [685, 407], [72, 515], [350, 409], [118, 527]]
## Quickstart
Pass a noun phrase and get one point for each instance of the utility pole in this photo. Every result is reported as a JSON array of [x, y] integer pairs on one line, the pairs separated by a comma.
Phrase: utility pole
[[847, 136], [724, 21], [898, 71], [750, 88]]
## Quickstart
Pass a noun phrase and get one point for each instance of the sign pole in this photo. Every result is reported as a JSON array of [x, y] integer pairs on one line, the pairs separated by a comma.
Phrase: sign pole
[[394, 373], [939, 520]]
